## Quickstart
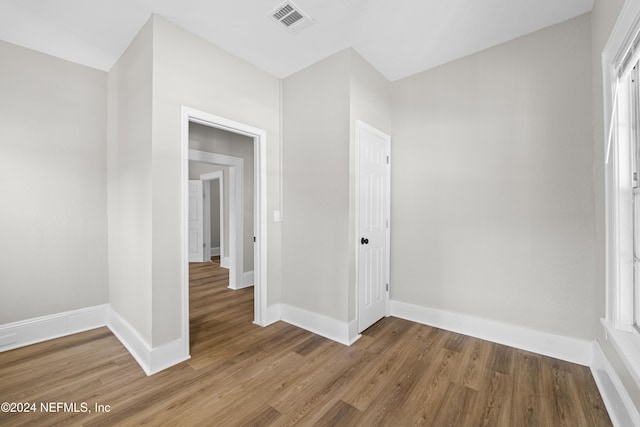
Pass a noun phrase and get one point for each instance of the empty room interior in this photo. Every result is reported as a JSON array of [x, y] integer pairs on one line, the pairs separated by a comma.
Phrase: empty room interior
[[336, 212]]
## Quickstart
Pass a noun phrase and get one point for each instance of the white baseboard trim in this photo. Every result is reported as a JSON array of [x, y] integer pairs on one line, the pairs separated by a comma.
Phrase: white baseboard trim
[[247, 281], [560, 347], [353, 331], [131, 340], [167, 355], [319, 324], [44, 328], [273, 314], [619, 404], [225, 262], [151, 360], [215, 251]]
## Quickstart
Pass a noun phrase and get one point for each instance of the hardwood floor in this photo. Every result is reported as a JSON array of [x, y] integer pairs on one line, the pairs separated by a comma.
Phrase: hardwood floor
[[399, 373]]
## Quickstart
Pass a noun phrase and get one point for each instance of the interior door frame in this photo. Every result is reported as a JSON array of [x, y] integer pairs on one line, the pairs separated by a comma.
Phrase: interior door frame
[[236, 221], [207, 179], [360, 125], [199, 210], [259, 136]]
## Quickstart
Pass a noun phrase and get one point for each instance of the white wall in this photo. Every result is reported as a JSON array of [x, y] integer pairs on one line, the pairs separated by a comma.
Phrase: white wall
[[370, 102], [322, 104], [492, 185], [315, 239], [212, 140], [129, 178], [190, 71], [53, 223]]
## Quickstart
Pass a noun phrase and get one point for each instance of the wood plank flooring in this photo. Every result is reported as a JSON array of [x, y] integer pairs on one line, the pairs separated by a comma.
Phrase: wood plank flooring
[[398, 374]]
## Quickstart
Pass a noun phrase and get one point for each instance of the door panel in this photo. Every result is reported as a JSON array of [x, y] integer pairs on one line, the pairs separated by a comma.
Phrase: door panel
[[373, 232], [196, 222]]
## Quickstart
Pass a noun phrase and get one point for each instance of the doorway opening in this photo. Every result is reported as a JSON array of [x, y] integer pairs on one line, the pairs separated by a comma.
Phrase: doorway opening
[[191, 116], [214, 216], [372, 225], [238, 190]]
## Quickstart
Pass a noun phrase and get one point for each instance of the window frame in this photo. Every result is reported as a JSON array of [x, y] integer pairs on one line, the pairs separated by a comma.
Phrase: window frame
[[619, 55], [634, 89]]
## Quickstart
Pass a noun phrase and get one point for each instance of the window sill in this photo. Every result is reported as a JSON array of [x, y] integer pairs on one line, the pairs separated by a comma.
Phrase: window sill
[[627, 344]]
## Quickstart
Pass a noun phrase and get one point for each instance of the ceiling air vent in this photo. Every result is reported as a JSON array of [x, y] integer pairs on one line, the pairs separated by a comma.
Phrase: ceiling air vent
[[291, 17]]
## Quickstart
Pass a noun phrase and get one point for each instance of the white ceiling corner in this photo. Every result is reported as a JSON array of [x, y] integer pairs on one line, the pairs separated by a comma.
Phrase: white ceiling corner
[[399, 37]]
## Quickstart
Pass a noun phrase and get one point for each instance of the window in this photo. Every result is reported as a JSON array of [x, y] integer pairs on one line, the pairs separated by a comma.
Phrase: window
[[621, 73], [623, 196], [634, 140]]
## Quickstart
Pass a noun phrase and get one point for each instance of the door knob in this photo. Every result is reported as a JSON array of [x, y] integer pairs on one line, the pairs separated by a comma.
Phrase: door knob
[[364, 241]]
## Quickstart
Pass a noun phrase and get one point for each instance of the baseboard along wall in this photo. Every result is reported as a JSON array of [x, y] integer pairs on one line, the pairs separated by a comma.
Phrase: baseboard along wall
[[152, 360], [565, 348], [44, 328], [327, 327], [247, 281]]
